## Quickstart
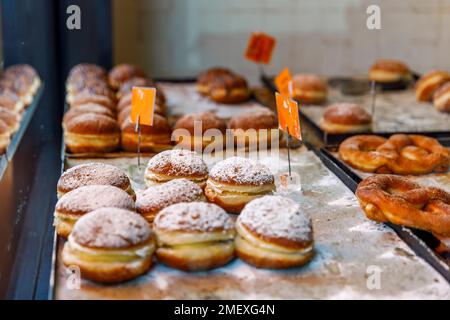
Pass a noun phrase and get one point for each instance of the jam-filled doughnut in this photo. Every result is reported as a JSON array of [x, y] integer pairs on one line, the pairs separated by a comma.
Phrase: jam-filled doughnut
[[176, 164], [152, 200], [93, 174], [194, 236], [235, 181], [110, 245], [76, 203], [273, 232]]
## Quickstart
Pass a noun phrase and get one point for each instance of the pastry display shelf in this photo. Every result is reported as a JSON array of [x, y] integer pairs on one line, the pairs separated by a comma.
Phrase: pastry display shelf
[[18, 135]]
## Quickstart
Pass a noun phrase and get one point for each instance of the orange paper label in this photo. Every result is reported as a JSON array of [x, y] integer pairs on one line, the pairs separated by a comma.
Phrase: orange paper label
[[288, 118], [260, 47], [143, 105], [284, 84]]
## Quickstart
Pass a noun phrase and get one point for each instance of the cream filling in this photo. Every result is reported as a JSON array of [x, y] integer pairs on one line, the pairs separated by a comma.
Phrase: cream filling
[[179, 238], [83, 253], [220, 93], [388, 76], [246, 235], [200, 251], [154, 178], [226, 189], [91, 140]]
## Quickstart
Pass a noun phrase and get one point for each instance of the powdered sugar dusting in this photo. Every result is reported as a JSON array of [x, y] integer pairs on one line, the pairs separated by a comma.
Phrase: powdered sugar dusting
[[178, 163], [278, 217], [111, 228], [241, 171], [160, 196], [193, 216]]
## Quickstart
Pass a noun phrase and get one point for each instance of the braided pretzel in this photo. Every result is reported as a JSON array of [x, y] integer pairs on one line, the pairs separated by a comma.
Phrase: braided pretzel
[[400, 154], [361, 152], [415, 154], [400, 201]]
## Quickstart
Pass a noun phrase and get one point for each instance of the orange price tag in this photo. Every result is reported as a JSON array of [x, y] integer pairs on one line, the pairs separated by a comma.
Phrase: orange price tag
[[260, 47], [143, 105], [284, 83], [288, 118]]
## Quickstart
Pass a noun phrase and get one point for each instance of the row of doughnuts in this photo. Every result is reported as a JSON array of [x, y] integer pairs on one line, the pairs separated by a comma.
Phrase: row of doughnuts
[[18, 86], [109, 242], [400, 154], [435, 86]]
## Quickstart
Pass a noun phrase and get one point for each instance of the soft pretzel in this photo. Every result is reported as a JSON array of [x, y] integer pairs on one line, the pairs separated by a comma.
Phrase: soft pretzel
[[361, 152], [415, 154], [400, 201]]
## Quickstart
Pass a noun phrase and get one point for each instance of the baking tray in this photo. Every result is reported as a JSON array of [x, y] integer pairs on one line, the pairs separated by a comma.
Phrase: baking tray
[[25, 120], [338, 270], [424, 119], [423, 243]]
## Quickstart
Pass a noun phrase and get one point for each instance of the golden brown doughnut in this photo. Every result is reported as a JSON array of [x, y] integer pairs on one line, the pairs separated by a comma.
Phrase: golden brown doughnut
[[87, 108], [273, 232], [415, 154], [91, 89], [91, 132], [122, 73], [195, 131], [251, 128], [400, 201], [11, 101], [152, 200], [5, 136], [194, 236], [235, 181], [10, 118], [110, 245], [154, 138], [429, 83], [93, 174], [229, 89], [361, 152], [309, 88], [205, 79], [441, 98], [388, 71], [345, 117], [86, 70], [76, 203], [85, 96], [176, 164]]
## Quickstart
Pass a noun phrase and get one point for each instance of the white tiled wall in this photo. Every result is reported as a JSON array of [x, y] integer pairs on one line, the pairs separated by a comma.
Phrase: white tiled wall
[[182, 37]]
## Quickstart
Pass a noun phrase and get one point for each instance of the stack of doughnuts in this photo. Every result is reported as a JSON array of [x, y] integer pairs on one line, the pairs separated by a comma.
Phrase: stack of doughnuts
[[18, 86], [341, 118], [435, 86], [400, 154], [309, 88], [98, 120], [112, 239], [223, 86]]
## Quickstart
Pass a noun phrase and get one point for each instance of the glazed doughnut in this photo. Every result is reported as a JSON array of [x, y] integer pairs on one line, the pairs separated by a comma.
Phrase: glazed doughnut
[[309, 89], [176, 164], [11, 101], [415, 154], [400, 201], [110, 245], [152, 200], [154, 138], [85, 96], [87, 108], [74, 204], [361, 152], [388, 71], [441, 98], [91, 132], [345, 117], [10, 118], [5, 136], [273, 232], [235, 181], [93, 174], [198, 130], [251, 127], [194, 236], [122, 73], [429, 83]]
